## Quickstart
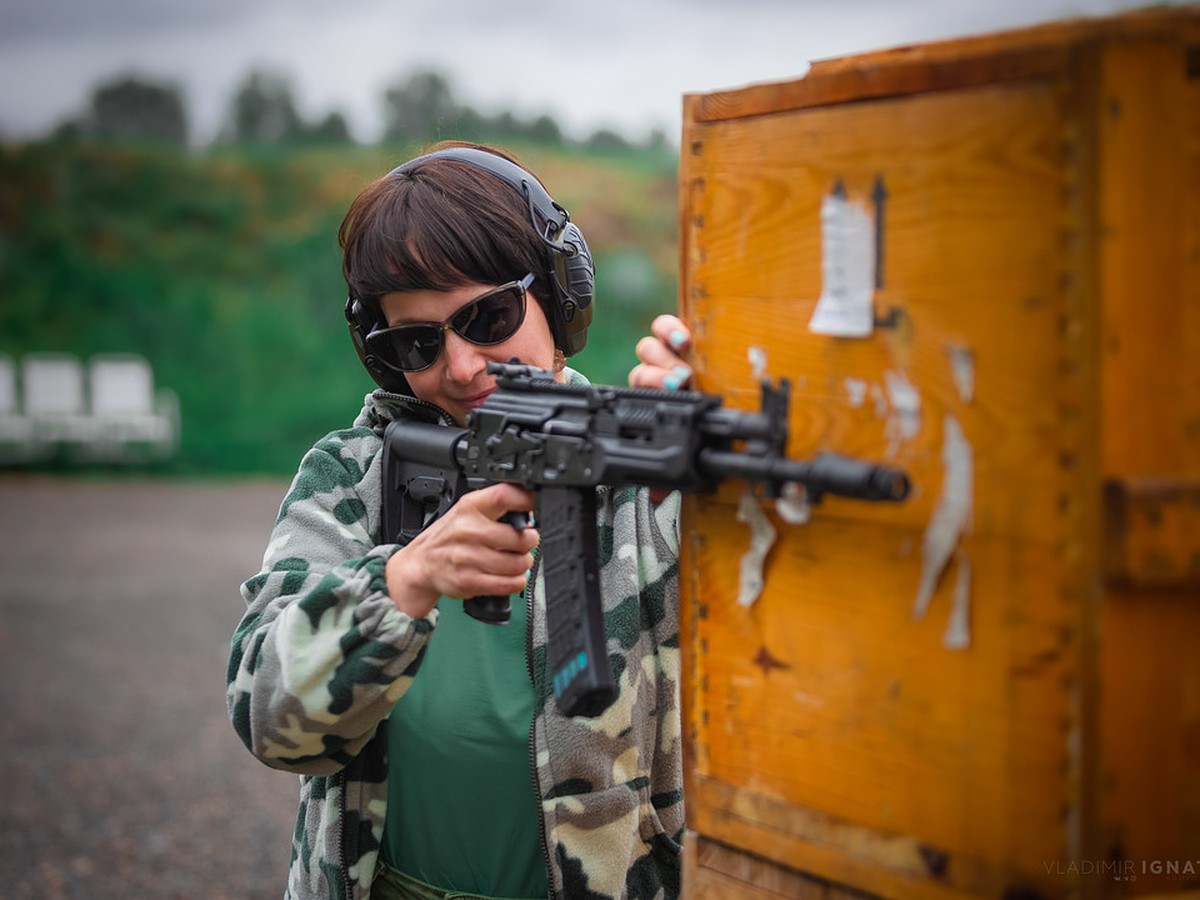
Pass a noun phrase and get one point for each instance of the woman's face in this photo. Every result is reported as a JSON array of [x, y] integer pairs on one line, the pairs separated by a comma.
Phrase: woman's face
[[458, 380]]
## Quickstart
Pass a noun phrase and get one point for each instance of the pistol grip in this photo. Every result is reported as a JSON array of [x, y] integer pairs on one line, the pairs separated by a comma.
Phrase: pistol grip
[[496, 610], [492, 610]]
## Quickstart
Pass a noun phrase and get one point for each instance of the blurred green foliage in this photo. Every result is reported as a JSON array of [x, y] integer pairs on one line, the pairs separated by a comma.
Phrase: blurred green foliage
[[222, 269]]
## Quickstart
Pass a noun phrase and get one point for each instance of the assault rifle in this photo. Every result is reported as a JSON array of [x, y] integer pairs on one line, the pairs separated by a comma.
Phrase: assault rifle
[[562, 441]]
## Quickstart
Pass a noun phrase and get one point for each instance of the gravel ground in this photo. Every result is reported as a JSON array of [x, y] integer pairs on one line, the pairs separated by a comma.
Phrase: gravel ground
[[122, 776]]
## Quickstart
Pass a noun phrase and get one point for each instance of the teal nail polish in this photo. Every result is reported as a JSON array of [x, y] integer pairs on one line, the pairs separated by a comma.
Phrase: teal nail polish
[[671, 383], [683, 373], [678, 337]]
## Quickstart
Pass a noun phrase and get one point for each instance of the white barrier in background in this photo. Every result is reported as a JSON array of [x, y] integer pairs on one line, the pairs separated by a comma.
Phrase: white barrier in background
[[16, 430], [114, 414], [126, 408], [53, 397]]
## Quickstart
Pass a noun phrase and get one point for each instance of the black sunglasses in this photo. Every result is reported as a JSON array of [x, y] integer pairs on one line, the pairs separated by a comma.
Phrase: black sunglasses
[[490, 318]]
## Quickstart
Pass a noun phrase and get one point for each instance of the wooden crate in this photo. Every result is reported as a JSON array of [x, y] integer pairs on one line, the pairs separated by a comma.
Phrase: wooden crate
[[978, 260]]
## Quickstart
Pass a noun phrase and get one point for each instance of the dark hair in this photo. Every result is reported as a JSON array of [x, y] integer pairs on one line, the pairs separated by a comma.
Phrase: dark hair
[[437, 226]]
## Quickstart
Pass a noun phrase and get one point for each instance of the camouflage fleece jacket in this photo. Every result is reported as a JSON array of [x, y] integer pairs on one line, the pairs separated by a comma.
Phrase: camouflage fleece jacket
[[322, 655]]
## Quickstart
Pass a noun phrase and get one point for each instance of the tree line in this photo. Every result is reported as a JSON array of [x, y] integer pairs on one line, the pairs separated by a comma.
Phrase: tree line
[[223, 270], [263, 112]]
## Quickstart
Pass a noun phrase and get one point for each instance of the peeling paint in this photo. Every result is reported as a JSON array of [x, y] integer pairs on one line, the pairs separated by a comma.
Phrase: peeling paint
[[762, 537], [951, 518], [856, 391], [808, 699], [758, 362], [880, 400], [962, 366], [904, 420], [958, 629], [793, 504]]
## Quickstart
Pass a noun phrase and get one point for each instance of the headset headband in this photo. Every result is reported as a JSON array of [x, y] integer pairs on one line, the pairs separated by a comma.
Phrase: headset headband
[[554, 217]]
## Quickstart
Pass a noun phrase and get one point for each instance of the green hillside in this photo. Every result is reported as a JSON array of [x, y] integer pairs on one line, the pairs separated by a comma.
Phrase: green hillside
[[222, 269]]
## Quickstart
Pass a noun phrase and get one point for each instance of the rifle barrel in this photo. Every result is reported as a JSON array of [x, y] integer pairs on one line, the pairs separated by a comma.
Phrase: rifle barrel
[[829, 473]]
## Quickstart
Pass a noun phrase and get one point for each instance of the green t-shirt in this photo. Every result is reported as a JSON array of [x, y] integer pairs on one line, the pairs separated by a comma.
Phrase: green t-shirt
[[462, 804]]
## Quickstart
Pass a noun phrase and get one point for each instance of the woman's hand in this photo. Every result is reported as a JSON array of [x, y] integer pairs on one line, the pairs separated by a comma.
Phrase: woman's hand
[[465, 553], [661, 353]]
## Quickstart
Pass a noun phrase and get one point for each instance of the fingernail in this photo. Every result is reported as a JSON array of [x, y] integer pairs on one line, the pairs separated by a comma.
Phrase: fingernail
[[683, 373], [528, 572], [678, 337], [671, 383]]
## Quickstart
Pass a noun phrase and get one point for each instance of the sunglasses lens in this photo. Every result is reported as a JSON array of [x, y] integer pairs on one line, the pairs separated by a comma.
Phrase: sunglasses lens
[[492, 318], [409, 348]]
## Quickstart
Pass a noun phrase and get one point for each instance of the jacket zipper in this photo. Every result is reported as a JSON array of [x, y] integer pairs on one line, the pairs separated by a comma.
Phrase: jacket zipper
[[443, 417], [537, 797], [344, 863], [601, 492]]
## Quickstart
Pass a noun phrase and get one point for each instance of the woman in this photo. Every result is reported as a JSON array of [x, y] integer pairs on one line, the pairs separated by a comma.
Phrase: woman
[[433, 759]]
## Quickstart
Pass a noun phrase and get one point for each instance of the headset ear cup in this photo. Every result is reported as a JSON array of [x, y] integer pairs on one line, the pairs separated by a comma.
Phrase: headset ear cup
[[576, 276], [580, 270], [360, 322]]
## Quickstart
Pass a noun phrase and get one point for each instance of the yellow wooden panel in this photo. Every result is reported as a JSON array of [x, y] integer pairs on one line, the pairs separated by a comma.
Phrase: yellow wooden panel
[[1150, 450], [826, 693], [1041, 234], [896, 733], [975, 223]]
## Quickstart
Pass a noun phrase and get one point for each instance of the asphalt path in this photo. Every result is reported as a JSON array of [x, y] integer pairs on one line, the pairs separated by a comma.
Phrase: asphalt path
[[121, 775]]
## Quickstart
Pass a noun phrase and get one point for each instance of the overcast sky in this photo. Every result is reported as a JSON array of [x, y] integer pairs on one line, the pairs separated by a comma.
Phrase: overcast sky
[[622, 64]]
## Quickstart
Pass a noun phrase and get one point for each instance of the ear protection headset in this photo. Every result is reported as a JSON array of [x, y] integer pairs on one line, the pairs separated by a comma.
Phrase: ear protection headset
[[570, 274]]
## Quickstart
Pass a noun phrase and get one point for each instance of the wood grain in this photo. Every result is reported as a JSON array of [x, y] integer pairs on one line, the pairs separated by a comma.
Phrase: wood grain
[[1037, 196]]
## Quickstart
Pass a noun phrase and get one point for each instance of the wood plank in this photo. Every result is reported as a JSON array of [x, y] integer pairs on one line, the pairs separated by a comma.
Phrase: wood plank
[[1149, 101], [1150, 732], [716, 872], [1151, 295], [1019, 55]]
